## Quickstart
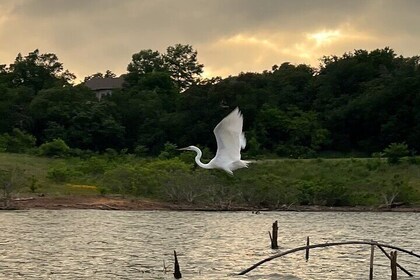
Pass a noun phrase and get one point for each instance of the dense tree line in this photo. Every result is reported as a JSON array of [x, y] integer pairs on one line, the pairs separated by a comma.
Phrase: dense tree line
[[359, 102]]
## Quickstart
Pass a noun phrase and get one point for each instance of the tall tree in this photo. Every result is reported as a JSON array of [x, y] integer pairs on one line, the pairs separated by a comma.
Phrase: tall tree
[[108, 74], [143, 62], [39, 71], [181, 62]]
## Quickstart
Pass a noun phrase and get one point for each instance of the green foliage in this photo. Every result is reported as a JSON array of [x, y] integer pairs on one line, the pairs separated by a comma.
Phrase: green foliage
[[143, 179], [346, 107], [141, 150], [122, 180], [179, 63], [10, 181], [169, 151], [373, 164], [39, 71], [271, 184], [17, 142], [60, 173], [395, 151], [33, 184], [184, 187], [55, 148], [94, 166], [333, 194]]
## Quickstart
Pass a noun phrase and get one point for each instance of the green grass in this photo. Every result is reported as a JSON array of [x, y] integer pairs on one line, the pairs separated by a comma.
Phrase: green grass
[[266, 183], [27, 167]]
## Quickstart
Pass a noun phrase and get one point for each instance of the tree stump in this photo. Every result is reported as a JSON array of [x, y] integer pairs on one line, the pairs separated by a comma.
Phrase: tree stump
[[274, 236], [393, 265], [177, 271], [372, 254], [307, 249]]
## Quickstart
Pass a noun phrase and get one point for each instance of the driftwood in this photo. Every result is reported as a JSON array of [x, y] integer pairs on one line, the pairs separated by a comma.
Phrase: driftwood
[[23, 198], [326, 245]]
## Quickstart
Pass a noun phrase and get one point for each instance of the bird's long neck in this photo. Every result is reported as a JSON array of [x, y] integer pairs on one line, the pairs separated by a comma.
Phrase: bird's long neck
[[198, 157]]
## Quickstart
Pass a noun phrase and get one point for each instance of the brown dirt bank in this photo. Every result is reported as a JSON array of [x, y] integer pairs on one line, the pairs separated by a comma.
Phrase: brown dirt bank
[[118, 203]]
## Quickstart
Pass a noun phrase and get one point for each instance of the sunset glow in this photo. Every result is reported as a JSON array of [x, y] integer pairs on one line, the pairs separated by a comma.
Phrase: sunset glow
[[325, 36], [99, 35]]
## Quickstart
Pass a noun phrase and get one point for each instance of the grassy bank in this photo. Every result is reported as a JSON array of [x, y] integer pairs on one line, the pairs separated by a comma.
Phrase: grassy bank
[[265, 184]]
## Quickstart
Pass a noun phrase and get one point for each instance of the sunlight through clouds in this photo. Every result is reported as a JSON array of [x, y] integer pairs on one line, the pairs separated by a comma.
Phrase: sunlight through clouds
[[258, 51], [230, 36], [241, 39], [5, 14], [325, 36]]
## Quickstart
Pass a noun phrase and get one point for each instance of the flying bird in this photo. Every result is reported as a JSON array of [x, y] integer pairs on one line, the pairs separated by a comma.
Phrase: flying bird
[[230, 140]]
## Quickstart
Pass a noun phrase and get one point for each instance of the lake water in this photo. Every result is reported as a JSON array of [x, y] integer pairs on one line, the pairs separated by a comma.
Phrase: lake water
[[95, 244]]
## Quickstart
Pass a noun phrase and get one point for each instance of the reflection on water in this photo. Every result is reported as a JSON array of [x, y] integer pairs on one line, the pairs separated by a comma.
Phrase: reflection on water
[[95, 244]]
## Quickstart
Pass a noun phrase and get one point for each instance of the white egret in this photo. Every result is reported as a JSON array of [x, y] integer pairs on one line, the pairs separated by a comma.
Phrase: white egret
[[230, 140]]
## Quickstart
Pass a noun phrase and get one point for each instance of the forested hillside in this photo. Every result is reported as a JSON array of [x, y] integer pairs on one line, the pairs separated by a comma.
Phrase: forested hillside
[[358, 103]]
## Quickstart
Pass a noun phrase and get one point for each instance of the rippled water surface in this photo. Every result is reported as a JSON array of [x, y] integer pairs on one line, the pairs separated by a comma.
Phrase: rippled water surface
[[94, 244]]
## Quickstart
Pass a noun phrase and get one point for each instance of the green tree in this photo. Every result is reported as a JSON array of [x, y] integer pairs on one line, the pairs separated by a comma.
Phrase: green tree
[[17, 142], [143, 62], [108, 74], [39, 71], [181, 62], [76, 116], [395, 151], [14, 108]]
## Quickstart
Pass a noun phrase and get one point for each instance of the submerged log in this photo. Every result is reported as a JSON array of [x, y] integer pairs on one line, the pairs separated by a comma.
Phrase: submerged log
[[326, 245]]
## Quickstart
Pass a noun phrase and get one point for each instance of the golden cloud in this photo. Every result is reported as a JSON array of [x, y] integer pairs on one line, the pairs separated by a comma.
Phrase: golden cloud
[[259, 50]]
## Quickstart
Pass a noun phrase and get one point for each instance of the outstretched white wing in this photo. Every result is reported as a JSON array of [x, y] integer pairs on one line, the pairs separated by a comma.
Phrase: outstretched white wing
[[230, 139]]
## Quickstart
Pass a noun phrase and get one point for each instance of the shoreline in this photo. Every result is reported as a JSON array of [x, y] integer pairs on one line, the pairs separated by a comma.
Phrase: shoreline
[[118, 203]]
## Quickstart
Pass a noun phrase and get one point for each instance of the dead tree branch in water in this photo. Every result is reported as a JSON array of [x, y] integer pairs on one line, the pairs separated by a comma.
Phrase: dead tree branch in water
[[326, 245]]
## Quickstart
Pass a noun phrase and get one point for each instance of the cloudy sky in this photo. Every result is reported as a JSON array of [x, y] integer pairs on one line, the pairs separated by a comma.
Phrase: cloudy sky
[[231, 36]]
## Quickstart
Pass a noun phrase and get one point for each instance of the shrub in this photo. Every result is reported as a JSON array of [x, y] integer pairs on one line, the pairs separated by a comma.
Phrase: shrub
[[145, 179], [364, 198], [33, 186], [120, 180], [141, 151], [10, 180], [60, 173], [183, 187], [76, 152], [319, 192], [55, 148], [18, 142], [373, 164], [111, 153], [307, 191], [395, 151], [169, 151], [293, 151], [94, 165]]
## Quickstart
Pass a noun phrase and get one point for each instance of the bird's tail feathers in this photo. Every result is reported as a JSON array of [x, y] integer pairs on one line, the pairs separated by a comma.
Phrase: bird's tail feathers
[[238, 164]]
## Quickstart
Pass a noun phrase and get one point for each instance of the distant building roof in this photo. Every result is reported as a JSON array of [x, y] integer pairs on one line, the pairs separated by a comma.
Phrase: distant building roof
[[98, 83]]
